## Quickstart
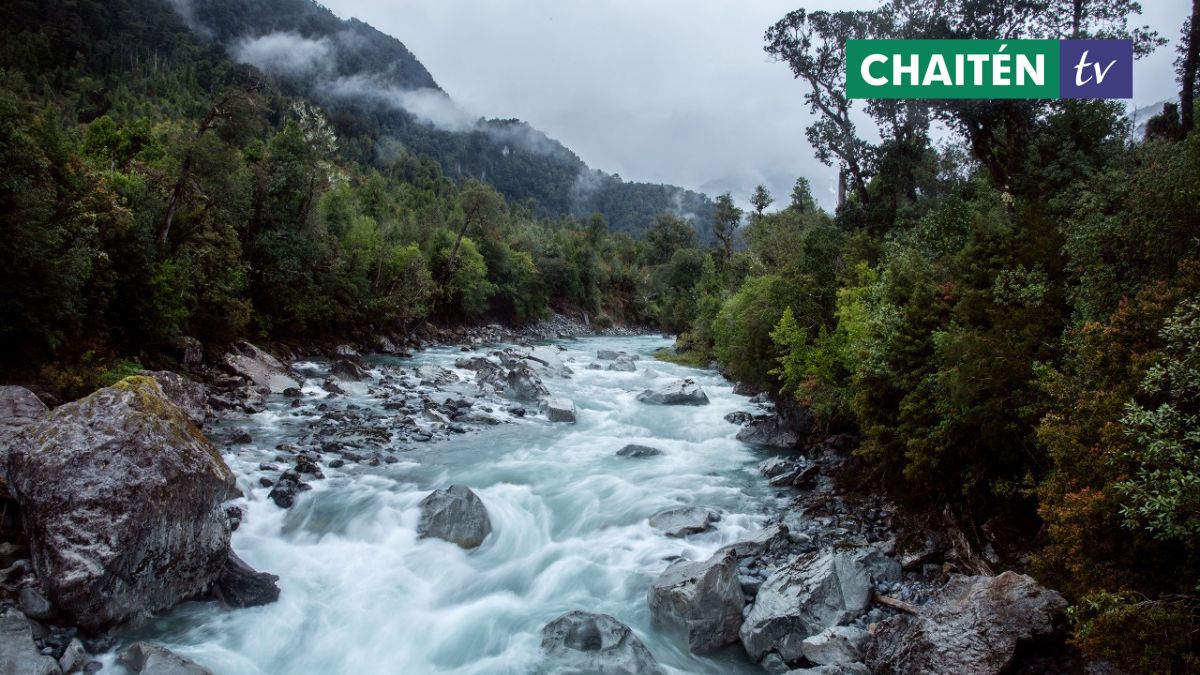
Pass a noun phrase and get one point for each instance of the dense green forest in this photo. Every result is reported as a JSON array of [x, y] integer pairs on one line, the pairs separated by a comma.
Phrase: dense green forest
[[1008, 318], [155, 189]]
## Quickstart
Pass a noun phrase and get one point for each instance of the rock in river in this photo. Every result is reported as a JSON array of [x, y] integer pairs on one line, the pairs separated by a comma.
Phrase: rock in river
[[523, 384], [121, 500], [704, 598], [455, 514], [680, 392], [264, 371], [639, 451], [582, 642], [684, 520], [560, 410], [148, 659], [972, 625], [815, 591]]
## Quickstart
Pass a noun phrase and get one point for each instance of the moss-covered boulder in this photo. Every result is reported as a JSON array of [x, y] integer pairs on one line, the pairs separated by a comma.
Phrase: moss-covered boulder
[[121, 497]]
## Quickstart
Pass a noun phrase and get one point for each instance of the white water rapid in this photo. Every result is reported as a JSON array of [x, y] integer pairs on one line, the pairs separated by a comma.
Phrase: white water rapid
[[361, 594]]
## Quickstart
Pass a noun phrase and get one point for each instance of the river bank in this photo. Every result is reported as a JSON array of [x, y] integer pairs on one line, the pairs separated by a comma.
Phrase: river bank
[[334, 460]]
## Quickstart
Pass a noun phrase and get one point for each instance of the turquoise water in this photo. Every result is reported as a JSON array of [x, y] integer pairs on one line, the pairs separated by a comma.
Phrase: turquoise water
[[362, 594]]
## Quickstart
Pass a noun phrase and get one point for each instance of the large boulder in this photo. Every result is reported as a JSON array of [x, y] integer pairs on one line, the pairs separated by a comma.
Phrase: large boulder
[[455, 514], [148, 659], [582, 642], [703, 598], [18, 653], [121, 500], [189, 395], [680, 392], [972, 625], [622, 364], [684, 520], [560, 410], [815, 591], [265, 372], [547, 360], [522, 384]]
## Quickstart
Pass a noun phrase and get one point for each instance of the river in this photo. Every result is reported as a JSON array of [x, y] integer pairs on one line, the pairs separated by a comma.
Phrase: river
[[361, 593]]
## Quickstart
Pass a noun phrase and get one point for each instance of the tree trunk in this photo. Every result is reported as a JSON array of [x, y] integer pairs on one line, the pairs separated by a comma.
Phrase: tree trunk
[[1187, 94]]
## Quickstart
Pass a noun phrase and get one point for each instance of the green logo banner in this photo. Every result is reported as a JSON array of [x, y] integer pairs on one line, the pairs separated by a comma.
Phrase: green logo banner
[[952, 69]]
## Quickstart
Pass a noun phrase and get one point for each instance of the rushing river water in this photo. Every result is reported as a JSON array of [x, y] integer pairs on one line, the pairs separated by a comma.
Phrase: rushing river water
[[362, 594]]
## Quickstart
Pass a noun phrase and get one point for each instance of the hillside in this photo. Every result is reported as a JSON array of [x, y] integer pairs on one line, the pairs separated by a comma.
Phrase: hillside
[[381, 97]]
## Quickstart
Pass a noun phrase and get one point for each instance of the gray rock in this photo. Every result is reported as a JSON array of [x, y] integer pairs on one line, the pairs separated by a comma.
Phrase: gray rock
[[684, 520], [560, 410], [582, 642], [348, 370], [475, 363], [121, 500], [35, 605], [74, 657], [608, 355], [681, 392], [19, 407], [455, 514], [435, 375], [814, 592], [769, 540], [240, 585], [973, 625], [634, 450], [841, 669], [18, 653], [622, 365], [703, 598], [738, 417], [772, 432], [834, 646], [189, 395], [347, 352], [148, 659], [522, 384], [265, 372]]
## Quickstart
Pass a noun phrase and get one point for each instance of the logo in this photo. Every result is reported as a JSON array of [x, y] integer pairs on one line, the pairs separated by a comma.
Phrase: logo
[[1040, 69]]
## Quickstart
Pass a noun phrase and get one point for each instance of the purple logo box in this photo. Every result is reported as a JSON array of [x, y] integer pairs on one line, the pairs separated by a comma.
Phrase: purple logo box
[[1095, 68]]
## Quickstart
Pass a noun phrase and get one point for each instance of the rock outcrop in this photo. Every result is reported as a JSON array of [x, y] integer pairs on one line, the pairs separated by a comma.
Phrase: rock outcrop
[[455, 514], [814, 592], [121, 500], [973, 625], [682, 392], [703, 598], [582, 642]]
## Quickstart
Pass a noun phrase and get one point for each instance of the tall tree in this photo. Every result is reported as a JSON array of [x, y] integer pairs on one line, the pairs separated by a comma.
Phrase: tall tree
[[725, 223], [761, 199], [1188, 64]]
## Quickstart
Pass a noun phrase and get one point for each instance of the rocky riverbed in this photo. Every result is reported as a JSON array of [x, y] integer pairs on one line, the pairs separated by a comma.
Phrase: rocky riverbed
[[499, 507]]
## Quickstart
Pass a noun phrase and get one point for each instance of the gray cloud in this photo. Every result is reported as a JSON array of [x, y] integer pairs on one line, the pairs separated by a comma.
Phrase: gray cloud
[[285, 54], [675, 91]]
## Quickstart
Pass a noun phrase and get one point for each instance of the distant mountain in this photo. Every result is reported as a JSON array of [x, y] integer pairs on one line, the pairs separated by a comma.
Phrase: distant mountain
[[382, 100]]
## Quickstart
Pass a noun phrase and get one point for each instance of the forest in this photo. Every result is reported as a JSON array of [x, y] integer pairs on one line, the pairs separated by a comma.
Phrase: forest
[[1006, 311]]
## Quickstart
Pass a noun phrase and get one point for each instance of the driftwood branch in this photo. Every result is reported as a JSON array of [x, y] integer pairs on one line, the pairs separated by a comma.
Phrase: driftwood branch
[[898, 605]]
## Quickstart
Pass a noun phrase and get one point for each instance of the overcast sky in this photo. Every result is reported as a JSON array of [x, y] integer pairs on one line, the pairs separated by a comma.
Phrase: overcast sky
[[672, 91]]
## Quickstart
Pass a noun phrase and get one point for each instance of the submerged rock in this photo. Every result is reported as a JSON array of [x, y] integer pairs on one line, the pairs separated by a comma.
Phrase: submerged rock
[[703, 598], [121, 500], [18, 653], [684, 520], [560, 410], [455, 514], [582, 642], [681, 392], [973, 625], [148, 659], [608, 354], [623, 364], [814, 592], [638, 451]]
